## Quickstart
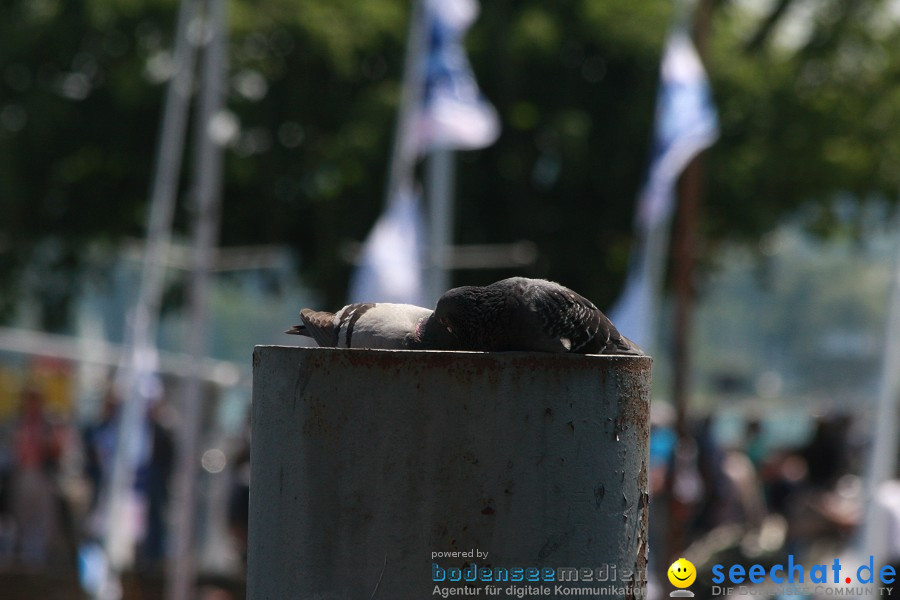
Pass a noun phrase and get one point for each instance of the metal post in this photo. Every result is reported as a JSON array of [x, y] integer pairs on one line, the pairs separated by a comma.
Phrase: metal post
[[372, 468]]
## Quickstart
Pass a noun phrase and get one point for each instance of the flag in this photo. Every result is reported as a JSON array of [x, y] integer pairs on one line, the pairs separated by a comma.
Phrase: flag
[[444, 109], [453, 113], [686, 123], [390, 263]]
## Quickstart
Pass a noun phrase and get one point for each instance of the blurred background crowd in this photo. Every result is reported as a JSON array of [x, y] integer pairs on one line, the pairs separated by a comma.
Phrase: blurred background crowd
[[762, 432], [54, 462]]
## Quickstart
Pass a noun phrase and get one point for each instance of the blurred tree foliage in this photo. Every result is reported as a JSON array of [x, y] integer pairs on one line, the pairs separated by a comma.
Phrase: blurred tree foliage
[[807, 93]]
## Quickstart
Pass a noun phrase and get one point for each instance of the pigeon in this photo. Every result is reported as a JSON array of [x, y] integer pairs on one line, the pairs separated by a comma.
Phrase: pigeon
[[521, 314], [379, 325]]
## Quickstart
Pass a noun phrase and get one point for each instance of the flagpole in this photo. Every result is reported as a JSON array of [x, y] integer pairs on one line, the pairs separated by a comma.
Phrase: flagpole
[[441, 174], [207, 201], [403, 153], [140, 355], [656, 249], [882, 460], [684, 249]]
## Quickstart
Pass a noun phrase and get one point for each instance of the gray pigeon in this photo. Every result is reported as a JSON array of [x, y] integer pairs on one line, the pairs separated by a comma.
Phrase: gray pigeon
[[528, 315], [375, 325]]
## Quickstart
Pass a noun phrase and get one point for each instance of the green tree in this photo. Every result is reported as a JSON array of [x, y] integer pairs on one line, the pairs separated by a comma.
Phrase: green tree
[[313, 92]]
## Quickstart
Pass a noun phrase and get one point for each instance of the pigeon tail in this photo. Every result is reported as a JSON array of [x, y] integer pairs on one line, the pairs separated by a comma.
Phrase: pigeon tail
[[625, 346]]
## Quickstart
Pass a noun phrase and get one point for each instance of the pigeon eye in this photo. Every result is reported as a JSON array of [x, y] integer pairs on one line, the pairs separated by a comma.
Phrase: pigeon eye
[[443, 321]]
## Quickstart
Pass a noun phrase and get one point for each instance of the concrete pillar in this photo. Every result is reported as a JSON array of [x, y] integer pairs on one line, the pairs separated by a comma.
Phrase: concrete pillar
[[366, 462]]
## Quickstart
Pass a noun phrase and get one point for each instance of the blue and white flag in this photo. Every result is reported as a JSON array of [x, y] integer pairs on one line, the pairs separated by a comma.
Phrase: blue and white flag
[[390, 263], [686, 123], [446, 111], [454, 114]]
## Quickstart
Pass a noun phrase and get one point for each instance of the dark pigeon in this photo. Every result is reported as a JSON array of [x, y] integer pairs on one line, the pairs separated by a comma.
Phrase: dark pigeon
[[528, 315], [375, 325]]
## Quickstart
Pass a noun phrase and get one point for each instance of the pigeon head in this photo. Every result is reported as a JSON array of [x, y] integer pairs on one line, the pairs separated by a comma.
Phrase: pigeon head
[[431, 334], [470, 314], [454, 309]]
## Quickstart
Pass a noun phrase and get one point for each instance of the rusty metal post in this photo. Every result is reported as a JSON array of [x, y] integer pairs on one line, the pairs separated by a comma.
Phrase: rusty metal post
[[367, 464]]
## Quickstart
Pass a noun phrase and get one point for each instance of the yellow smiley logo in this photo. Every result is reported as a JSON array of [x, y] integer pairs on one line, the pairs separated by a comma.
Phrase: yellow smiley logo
[[682, 573]]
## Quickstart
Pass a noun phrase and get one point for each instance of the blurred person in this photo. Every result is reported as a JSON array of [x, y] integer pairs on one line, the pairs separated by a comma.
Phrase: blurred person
[[7, 463], [99, 447], [741, 470], [239, 496], [662, 444], [731, 492], [714, 499], [662, 450], [153, 478], [746, 506], [99, 441], [826, 453], [38, 446], [729, 513], [782, 473], [811, 486], [755, 442]]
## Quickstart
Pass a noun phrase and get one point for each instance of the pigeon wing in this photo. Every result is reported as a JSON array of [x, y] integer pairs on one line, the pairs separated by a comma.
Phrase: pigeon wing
[[347, 318], [586, 327], [319, 325], [570, 317]]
